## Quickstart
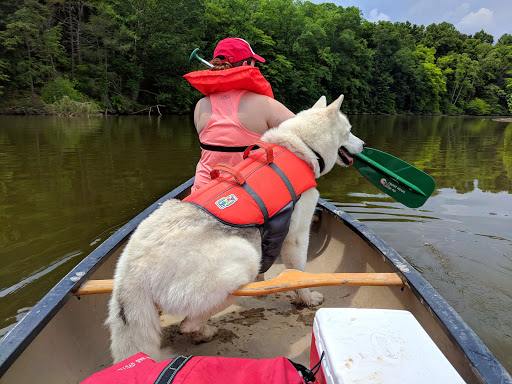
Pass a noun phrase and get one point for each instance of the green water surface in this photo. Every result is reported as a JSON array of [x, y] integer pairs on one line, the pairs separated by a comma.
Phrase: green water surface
[[66, 184]]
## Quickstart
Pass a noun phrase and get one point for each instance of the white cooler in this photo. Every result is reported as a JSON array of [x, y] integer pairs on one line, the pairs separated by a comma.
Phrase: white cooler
[[376, 346]]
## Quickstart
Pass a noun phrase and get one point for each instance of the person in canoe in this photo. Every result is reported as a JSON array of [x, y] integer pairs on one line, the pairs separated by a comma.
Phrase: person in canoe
[[237, 109]]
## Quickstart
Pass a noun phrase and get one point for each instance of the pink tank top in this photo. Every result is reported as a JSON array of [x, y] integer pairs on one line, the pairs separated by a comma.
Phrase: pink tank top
[[223, 130]]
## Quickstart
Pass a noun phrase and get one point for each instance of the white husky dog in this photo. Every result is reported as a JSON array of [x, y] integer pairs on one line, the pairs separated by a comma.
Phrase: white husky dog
[[186, 263]]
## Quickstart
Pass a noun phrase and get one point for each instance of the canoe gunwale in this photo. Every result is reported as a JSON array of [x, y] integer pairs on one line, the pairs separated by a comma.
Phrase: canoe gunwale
[[483, 363]]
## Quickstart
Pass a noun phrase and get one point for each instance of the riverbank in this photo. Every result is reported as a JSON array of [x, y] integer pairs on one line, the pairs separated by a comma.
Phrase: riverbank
[[35, 106], [88, 109]]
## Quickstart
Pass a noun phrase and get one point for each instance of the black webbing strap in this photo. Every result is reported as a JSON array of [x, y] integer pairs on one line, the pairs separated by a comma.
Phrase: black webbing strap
[[309, 375], [169, 372], [257, 199], [286, 181], [220, 148]]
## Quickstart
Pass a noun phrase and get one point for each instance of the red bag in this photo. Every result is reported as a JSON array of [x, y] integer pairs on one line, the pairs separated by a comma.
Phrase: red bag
[[141, 369]]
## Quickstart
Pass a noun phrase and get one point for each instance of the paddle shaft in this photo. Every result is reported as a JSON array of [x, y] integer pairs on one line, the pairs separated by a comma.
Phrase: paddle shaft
[[388, 172], [288, 280], [194, 55]]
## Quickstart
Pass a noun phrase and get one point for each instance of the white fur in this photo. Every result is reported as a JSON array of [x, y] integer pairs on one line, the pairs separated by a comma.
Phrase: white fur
[[186, 263]]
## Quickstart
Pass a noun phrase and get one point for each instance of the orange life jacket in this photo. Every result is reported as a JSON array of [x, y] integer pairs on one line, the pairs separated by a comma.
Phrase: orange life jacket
[[259, 191], [243, 77]]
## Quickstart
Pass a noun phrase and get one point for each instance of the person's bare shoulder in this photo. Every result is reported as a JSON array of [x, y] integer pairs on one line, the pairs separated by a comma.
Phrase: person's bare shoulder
[[202, 113], [263, 107]]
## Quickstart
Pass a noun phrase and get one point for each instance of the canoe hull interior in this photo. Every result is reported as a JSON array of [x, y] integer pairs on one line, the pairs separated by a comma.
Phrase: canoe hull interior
[[75, 342]]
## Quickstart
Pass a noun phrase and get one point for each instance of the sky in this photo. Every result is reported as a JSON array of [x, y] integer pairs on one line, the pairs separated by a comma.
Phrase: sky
[[493, 16]]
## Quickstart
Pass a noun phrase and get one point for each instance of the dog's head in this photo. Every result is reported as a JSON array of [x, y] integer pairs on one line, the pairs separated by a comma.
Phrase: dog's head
[[320, 136]]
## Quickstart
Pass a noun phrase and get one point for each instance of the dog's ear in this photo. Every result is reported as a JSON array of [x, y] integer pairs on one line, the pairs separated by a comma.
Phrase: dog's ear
[[321, 103], [336, 104]]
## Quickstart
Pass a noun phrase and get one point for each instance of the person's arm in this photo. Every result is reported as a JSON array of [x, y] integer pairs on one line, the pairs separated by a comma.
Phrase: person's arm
[[202, 113], [277, 113], [258, 113]]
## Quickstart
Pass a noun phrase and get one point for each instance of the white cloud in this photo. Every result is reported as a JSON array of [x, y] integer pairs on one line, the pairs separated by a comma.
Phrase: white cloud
[[476, 21], [454, 15], [376, 16]]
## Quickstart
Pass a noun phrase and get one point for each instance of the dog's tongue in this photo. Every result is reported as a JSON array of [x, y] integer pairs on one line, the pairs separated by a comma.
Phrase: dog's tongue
[[345, 156]]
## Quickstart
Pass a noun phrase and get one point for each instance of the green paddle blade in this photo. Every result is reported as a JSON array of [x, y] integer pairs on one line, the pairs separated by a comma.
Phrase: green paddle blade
[[398, 179]]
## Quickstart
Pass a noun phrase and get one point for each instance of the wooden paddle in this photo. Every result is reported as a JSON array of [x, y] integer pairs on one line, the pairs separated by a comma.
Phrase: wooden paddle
[[288, 280]]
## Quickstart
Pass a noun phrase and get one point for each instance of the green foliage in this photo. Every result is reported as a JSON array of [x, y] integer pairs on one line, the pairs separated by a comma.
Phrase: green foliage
[[443, 37], [484, 37], [59, 87], [494, 97], [26, 36], [506, 39], [509, 93], [129, 55], [451, 109], [478, 107], [434, 82], [4, 77]]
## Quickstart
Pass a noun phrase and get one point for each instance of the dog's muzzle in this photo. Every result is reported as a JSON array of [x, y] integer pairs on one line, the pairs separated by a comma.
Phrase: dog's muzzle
[[345, 157]]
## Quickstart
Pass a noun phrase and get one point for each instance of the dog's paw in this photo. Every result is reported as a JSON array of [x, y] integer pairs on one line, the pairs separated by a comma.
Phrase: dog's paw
[[205, 334], [309, 298], [316, 299], [260, 277]]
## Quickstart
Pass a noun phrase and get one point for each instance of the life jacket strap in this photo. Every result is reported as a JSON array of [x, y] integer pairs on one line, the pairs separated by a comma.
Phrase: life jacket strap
[[286, 181], [220, 148], [228, 169], [261, 144], [261, 205], [169, 373]]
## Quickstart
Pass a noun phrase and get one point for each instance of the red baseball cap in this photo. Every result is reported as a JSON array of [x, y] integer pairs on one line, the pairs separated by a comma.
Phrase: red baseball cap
[[235, 49]]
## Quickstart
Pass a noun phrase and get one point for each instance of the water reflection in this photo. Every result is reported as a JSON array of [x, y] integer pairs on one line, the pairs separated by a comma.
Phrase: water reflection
[[68, 184]]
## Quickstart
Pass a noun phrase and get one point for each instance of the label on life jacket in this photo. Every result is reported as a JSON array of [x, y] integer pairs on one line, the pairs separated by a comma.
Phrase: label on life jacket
[[243, 77]]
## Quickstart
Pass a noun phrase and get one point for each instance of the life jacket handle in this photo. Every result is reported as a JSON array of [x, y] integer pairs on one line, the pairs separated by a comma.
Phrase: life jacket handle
[[215, 172], [266, 146]]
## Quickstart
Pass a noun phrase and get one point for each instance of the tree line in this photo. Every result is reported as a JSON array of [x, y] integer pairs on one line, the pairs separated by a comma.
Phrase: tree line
[[124, 56]]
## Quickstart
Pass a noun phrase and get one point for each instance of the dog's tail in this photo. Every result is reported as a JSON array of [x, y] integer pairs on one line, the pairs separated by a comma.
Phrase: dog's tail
[[134, 324]]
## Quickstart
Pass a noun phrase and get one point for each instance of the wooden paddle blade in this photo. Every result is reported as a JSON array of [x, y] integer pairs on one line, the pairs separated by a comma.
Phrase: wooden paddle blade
[[288, 280], [393, 176]]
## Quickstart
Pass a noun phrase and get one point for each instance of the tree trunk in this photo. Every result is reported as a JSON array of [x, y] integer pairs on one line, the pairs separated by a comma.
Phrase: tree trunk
[[32, 94], [460, 90], [72, 43], [454, 90], [79, 31]]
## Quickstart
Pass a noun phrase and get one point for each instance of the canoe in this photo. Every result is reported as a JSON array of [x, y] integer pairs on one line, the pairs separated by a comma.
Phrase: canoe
[[63, 338]]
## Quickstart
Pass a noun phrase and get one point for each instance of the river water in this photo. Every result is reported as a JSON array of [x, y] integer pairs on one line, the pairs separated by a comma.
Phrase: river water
[[66, 184]]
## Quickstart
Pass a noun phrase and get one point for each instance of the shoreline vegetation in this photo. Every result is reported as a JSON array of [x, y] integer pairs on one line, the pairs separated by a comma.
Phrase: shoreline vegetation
[[106, 57], [69, 108]]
